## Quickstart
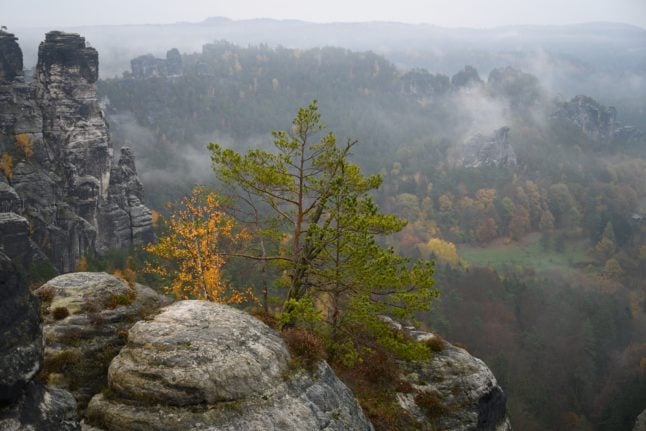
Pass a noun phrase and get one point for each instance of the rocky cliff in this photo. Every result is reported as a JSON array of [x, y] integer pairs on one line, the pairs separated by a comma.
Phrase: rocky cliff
[[598, 122], [489, 150], [58, 169]]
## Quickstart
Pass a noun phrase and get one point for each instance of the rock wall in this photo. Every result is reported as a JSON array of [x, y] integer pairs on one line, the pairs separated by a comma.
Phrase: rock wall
[[489, 150], [77, 201], [25, 403]]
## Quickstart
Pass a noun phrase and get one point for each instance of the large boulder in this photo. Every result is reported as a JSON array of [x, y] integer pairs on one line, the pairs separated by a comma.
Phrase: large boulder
[[86, 318], [453, 391], [204, 366]]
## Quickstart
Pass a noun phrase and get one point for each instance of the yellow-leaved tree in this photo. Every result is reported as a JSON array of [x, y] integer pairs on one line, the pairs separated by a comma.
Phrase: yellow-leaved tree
[[188, 254]]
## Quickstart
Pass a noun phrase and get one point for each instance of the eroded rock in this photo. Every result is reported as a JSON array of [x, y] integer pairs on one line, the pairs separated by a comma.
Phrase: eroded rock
[[489, 150], [64, 179], [85, 326], [25, 403], [454, 391], [205, 366]]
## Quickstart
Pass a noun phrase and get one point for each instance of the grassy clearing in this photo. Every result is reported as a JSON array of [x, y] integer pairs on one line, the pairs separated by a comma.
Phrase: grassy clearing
[[527, 254]]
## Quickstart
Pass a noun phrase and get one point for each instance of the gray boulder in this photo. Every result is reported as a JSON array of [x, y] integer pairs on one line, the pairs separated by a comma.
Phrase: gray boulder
[[453, 391], [86, 316], [205, 366]]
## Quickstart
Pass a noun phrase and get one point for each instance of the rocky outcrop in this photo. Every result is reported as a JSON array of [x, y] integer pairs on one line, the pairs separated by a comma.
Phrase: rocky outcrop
[[598, 123], [86, 316], [199, 365], [467, 77], [147, 66], [26, 404], [58, 138], [452, 391], [523, 90], [489, 150]]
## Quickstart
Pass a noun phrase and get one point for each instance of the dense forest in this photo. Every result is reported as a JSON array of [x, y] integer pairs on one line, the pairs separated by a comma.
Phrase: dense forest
[[531, 206]]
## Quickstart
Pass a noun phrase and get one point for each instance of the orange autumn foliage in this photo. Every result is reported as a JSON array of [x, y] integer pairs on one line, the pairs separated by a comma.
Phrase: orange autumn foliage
[[25, 144], [189, 254]]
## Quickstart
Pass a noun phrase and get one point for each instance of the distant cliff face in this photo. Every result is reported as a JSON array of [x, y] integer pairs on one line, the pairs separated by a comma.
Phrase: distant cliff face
[[76, 200], [489, 150]]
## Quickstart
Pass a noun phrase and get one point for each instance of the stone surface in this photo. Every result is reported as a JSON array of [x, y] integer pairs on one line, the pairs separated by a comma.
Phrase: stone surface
[[65, 187], [10, 58], [16, 244], [466, 387], [101, 308], [21, 344], [640, 422], [147, 66], [26, 404], [40, 408], [489, 150], [598, 123], [204, 366]]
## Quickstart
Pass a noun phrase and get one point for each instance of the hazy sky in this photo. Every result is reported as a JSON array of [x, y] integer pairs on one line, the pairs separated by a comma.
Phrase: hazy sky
[[449, 13]]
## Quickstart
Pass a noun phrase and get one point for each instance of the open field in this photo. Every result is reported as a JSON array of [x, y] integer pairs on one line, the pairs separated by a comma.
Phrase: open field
[[527, 253]]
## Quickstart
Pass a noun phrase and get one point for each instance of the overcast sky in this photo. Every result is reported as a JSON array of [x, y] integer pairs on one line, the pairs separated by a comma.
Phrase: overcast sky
[[448, 13]]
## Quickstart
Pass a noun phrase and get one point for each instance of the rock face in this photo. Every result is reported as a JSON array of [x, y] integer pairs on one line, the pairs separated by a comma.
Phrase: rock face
[[63, 174], [26, 404], [205, 366], [640, 423], [86, 319], [147, 66], [464, 391], [467, 77], [489, 150], [599, 123]]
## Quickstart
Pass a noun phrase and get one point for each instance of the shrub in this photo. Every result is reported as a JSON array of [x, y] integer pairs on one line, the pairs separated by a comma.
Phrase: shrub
[[60, 313], [118, 299], [306, 348], [46, 294], [436, 343], [431, 405]]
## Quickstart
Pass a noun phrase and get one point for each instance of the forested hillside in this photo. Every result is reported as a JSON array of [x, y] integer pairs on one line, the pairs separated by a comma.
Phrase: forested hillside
[[532, 206]]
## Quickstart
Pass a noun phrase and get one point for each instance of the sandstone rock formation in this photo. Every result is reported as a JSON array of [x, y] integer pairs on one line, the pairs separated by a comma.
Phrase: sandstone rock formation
[[26, 404], [58, 139], [599, 123], [463, 392], [204, 366], [489, 150], [467, 77], [85, 323], [147, 66]]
